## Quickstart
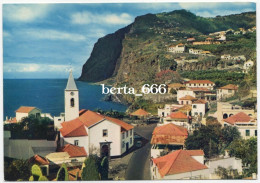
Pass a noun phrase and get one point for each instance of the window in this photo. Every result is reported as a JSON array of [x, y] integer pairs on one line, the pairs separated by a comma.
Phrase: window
[[256, 133], [200, 113], [123, 135], [105, 133], [76, 142], [247, 132], [229, 91], [131, 140], [126, 134], [123, 145], [72, 102], [194, 106], [131, 132], [59, 119]]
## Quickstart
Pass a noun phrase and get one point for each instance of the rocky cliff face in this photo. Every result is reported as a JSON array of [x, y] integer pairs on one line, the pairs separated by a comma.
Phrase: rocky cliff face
[[135, 54]]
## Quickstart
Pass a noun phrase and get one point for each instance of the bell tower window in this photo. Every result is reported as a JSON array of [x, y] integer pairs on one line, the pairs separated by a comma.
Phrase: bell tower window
[[72, 103]]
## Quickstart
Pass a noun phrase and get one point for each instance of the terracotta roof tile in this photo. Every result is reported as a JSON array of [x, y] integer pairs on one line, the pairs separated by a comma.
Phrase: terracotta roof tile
[[73, 128], [200, 101], [169, 134], [73, 173], [73, 151], [199, 82], [175, 85], [12, 120], [140, 112], [88, 118], [185, 108], [25, 109], [39, 160], [195, 152], [229, 87], [239, 117], [198, 89], [176, 162], [187, 97], [178, 115]]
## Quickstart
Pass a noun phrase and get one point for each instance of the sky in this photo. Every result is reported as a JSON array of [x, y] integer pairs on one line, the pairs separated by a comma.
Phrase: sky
[[47, 40]]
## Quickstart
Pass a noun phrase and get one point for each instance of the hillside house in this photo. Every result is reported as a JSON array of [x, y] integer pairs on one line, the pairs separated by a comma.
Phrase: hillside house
[[226, 91], [187, 100], [178, 118], [23, 112], [199, 108], [169, 136], [247, 65], [195, 51], [201, 43], [179, 48], [225, 57], [183, 92], [174, 86], [245, 124], [191, 39], [200, 83], [225, 110], [168, 109], [180, 164]]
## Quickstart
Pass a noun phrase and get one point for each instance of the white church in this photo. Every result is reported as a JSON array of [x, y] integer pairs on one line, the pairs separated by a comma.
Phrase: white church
[[98, 134]]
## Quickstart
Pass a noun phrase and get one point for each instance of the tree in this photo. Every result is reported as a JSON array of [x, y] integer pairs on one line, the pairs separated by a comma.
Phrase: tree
[[18, 169], [104, 168], [63, 174], [247, 151], [36, 172], [227, 173], [91, 168], [229, 134]]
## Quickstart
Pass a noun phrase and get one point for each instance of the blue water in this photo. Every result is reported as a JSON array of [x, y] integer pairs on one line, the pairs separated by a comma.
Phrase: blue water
[[48, 95]]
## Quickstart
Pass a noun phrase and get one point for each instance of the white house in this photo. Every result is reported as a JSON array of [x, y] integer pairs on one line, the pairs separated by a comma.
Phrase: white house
[[22, 112], [180, 164], [224, 162], [179, 48], [178, 118], [226, 91], [245, 124], [199, 107], [247, 65], [168, 109], [195, 51], [187, 100], [200, 83], [182, 93], [98, 134]]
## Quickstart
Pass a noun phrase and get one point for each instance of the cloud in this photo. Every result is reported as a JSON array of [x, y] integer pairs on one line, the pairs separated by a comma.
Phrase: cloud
[[211, 9], [32, 67], [25, 13], [88, 17], [52, 34]]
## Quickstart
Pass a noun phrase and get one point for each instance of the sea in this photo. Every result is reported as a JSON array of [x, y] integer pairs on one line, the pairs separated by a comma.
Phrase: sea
[[48, 96]]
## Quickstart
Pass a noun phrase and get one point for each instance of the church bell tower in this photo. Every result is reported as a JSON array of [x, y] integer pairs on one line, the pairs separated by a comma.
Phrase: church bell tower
[[71, 99]]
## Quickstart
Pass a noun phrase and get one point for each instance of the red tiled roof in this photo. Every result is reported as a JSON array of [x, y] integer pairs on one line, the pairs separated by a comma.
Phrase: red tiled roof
[[199, 82], [169, 134], [88, 118], [140, 112], [195, 152], [200, 101], [73, 151], [187, 97], [198, 89], [39, 160], [176, 162], [239, 117], [73, 173], [178, 115], [229, 87], [73, 128], [25, 109], [192, 38]]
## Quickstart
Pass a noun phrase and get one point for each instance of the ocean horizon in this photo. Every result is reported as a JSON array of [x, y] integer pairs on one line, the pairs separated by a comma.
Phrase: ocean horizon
[[48, 96]]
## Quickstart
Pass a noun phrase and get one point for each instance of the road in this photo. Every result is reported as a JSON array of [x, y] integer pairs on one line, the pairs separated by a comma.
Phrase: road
[[138, 167]]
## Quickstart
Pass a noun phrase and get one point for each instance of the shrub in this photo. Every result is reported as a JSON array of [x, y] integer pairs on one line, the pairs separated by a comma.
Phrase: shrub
[[36, 172], [104, 168], [91, 169], [62, 174], [43, 178]]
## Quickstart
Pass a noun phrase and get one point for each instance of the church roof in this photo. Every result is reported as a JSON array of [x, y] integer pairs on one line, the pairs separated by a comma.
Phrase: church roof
[[25, 109], [71, 85]]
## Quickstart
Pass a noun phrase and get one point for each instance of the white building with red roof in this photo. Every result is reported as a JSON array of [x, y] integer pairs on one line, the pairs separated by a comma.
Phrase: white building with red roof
[[168, 136], [178, 118], [246, 125], [200, 83], [180, 164], [226, 91], [179, 48], [96, 133]]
